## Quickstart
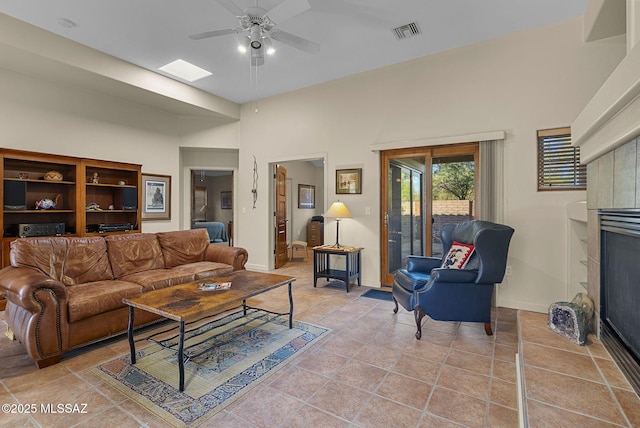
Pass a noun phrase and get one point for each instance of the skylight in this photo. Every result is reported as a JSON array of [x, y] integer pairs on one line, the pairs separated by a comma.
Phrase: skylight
[[185, 70]]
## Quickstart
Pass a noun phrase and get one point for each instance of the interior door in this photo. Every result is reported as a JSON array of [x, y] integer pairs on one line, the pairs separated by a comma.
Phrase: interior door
[[411, 180], [281, 217]]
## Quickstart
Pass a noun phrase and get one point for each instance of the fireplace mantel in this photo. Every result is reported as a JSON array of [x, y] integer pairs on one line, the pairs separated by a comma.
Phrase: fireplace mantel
[[610, 119]]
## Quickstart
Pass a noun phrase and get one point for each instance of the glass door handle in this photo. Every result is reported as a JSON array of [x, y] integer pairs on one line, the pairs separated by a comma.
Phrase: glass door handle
[[386, 219]]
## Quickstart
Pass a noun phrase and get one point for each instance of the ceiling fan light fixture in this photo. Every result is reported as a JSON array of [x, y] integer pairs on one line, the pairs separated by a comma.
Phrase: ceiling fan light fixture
[[269, 49], [243, 44], [257, 57], [256, 37]]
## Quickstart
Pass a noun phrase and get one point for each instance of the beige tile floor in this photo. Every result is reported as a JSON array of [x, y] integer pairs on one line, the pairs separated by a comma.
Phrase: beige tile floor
[[369, 371]]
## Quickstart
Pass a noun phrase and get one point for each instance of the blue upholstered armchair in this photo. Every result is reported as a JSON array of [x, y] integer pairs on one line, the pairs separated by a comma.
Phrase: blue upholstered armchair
[[456, 294]]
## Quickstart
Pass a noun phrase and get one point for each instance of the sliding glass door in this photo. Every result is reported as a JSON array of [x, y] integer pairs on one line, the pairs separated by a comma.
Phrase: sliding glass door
[[423, 189]]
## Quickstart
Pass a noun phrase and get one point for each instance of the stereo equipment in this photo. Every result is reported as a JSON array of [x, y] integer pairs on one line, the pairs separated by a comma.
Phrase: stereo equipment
[[111, 227], [125, 198], [15, 195], [25, 230]]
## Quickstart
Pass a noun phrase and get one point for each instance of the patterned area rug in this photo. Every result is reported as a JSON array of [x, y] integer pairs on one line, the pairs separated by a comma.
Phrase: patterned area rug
[[234, 358]]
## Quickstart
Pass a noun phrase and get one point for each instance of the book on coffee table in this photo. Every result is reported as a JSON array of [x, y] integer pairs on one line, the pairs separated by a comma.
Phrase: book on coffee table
[[208, 286]]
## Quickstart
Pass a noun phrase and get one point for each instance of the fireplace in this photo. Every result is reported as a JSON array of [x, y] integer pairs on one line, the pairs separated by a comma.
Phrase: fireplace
[[620, 290]]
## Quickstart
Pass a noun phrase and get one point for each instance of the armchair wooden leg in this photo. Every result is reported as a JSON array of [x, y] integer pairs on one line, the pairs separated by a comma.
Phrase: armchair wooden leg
[[487, 329], [395, 310], [418, 314]]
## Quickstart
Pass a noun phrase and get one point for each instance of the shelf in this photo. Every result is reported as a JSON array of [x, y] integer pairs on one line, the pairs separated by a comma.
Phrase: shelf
[[110, 211], [74, 192], [111, 185], [8, 212], [31, 180]]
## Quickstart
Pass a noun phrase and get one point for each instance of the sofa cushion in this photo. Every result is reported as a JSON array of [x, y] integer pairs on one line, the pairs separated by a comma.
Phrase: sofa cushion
[[86, 300], [183, 246], [70, 260], [133, 253], [159, 278], [203, 270]]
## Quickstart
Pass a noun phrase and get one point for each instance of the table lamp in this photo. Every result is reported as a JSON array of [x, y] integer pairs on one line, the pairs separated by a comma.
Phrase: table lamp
[[338, 210]]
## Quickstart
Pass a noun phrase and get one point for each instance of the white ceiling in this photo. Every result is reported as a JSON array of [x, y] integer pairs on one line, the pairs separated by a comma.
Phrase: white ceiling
[[355, 35]]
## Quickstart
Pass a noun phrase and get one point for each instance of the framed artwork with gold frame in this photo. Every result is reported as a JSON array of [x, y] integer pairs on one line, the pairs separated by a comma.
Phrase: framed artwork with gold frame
[[349, 181]]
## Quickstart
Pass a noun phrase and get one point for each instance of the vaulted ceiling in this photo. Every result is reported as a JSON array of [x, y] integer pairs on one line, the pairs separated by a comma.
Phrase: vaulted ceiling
[[353, 35]]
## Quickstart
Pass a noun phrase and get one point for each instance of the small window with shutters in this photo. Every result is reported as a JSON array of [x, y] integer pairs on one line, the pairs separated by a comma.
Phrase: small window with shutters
[[559, 165]]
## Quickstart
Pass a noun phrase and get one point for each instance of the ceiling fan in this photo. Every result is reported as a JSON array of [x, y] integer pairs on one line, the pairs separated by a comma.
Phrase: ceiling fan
[[258, 28]]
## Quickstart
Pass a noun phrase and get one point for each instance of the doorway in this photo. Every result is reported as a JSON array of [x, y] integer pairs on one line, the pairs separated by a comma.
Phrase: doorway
[[212, 203], [305, 173], [422, 189]]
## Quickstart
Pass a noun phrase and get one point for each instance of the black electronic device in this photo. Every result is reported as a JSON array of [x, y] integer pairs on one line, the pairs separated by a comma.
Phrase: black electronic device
[[109, 227], [25, 230], [15, 195], [126, 198]]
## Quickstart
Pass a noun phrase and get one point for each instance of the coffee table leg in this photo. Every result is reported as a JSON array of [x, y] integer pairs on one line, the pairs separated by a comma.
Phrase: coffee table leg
[[181, 356], [290, 308], [132, 345]]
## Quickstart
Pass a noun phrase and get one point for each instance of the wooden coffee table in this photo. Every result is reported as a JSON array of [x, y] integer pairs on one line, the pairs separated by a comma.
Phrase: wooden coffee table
[[187, 304]]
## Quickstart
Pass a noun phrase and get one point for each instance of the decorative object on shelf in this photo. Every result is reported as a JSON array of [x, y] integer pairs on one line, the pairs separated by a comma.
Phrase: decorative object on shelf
[[52, 176], [93, 206], [338, 210], [95, 179], [349, 181], [121, 183], [254, 190], [306, 196], [23, 175], [47, 204], [226, 200], [156, 197]]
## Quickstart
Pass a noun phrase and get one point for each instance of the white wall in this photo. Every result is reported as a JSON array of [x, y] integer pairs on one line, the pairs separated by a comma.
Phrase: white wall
[[536, 79], [532, 80], [49, 117]]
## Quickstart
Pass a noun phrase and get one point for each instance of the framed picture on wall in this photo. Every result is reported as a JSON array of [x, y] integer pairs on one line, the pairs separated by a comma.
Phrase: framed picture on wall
[[156, 197], [306, 196], [349, 181], [225, 200]]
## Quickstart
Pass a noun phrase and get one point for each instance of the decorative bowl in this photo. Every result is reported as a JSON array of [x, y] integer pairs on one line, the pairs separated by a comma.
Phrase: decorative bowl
[[53, 176]]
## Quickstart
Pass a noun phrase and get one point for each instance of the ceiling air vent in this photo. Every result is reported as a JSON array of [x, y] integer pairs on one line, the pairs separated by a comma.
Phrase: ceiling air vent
[[407, 30]]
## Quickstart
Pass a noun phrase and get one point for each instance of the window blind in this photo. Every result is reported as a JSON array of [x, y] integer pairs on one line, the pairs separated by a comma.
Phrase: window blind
[[559, 165]]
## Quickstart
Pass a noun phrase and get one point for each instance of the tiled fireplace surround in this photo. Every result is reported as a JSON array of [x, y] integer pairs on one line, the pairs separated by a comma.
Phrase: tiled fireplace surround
[[613, 184]]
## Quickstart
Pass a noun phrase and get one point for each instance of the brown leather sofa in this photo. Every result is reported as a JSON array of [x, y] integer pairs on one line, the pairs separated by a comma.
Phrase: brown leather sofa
[[65, 292]]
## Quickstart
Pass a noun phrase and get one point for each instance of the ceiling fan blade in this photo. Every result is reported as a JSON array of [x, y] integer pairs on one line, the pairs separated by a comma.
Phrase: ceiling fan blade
[[295, 41], [215, 33], [287, 9], [231, 7]]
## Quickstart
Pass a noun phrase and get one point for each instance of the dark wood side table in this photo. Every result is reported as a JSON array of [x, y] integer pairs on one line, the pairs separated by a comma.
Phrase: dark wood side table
[[322, 264]]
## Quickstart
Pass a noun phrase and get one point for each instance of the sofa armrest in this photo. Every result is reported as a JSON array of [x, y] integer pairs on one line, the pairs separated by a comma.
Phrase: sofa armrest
[[234, 256], [21, 286], [422, 264], [36, 313]]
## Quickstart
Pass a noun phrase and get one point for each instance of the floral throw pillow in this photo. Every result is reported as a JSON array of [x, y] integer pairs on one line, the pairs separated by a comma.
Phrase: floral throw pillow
[[458, 256]]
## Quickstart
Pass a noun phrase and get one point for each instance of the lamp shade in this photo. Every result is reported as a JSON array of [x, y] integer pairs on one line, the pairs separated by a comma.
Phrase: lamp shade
[[338, 210]]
